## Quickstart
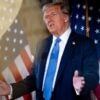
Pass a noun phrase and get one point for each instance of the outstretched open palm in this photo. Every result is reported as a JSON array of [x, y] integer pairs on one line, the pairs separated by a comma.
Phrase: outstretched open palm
[[4, 88]]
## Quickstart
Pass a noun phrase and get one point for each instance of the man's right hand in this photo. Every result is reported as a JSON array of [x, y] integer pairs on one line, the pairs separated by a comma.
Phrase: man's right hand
[[4, 88]]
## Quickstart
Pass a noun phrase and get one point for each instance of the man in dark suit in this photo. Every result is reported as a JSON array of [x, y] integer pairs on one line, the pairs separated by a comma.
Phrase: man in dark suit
[[76, 71]]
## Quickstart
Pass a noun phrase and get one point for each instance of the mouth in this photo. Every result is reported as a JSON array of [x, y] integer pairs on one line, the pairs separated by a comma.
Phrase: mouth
[[51, 25]]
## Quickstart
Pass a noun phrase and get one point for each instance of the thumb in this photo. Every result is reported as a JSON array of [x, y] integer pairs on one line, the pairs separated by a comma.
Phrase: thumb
[[76, 73]]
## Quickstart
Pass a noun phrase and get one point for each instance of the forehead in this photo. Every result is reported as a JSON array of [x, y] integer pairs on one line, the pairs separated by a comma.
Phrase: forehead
[[50, 8]]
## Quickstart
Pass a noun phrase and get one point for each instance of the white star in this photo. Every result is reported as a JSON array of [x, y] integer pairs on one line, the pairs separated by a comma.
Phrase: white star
[[75, 27], [14, 40], [97, 31], [77, 16], [21, 31], [73, 43], [7, 39], [16, 21], [6, 48], [10, 10], [84, 7], [82, 28], [15, 30], [89, 18], [83, 17], [78, 5], [98, 20], [96, 41], [13, 50], [5, 57], [21, 41], [91, 8]]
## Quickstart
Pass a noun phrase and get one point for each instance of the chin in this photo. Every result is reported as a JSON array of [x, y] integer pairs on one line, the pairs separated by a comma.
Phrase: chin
[[51, 30]]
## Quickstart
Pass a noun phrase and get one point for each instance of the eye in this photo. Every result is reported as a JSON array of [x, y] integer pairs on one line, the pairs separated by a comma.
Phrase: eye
[[54, 14]]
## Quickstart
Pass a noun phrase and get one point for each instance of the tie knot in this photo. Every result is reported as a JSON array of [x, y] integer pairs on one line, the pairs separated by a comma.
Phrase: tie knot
[[58, 40]]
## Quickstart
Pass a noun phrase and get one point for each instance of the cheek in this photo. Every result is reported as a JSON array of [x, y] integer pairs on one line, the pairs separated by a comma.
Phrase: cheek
[[59, 23], [45, 22]]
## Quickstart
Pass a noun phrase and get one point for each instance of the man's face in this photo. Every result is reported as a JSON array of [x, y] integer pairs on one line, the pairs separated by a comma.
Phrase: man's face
[[55, 20]]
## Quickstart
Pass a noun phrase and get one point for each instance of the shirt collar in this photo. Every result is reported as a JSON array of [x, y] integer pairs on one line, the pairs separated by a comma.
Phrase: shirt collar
[[64, 37]]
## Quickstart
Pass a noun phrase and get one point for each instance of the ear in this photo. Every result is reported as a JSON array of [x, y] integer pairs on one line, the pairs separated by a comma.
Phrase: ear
[[66, 18]]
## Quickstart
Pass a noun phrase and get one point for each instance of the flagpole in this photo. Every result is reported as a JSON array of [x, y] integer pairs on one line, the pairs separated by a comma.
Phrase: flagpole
[[87, 22]]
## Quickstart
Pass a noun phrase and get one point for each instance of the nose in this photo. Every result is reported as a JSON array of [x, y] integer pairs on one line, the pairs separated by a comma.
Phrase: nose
[[48, 19]]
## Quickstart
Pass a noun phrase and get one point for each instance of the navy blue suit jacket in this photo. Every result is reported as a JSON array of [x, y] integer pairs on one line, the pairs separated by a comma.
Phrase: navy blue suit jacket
[[79, 54]]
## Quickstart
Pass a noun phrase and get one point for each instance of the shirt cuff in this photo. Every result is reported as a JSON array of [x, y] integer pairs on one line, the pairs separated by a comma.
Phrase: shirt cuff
[[10, 95], [77, 91]]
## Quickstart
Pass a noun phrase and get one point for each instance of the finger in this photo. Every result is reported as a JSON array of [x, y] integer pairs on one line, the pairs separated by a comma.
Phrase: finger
[[82, 78], [82, 86], [76, 73], [83, 82]]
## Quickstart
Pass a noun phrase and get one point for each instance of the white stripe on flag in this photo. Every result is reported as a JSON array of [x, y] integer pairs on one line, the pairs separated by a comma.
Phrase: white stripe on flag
[[29, 53], [21, 98], [8, 76], [21, 67], [33, 95]]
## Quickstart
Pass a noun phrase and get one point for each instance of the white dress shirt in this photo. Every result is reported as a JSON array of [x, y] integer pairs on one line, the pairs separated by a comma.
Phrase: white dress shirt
[[64, 39]]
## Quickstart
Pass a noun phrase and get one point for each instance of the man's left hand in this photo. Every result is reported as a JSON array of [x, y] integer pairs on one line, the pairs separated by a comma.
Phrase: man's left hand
[[78, 82]]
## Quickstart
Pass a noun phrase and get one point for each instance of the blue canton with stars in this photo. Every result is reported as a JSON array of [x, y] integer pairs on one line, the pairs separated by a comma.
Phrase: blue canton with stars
[[78, 20]]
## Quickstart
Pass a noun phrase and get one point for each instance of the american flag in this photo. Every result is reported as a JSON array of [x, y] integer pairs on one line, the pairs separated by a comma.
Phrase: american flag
[[85, 20], [15, 56]]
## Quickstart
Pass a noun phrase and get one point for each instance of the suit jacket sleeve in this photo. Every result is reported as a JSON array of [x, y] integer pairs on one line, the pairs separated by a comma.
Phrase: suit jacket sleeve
[[23, 87], [90, 66]]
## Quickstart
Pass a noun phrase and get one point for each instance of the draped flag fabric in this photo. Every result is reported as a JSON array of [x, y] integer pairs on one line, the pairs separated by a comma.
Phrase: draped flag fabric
[[85, 20], [15, 56]]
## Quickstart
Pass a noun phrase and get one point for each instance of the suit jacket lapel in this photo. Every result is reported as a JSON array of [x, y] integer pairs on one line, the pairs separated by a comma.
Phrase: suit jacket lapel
[[67, 55]]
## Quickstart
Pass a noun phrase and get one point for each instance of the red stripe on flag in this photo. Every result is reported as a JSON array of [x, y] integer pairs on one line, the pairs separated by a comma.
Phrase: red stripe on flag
[[26, 60], [28, 97], [97, 92], [15, 72]]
